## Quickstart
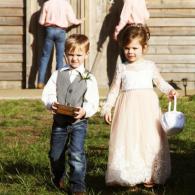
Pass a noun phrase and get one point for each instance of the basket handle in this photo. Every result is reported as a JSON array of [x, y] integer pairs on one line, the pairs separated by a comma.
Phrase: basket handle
[[175, 104]]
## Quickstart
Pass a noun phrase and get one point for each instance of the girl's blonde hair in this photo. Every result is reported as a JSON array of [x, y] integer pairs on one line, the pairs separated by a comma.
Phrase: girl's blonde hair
[[77, 41], [133, 31]]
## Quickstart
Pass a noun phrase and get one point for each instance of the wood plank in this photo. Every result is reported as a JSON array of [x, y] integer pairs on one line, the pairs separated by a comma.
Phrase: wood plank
[[15, 21], [10, 67], [171, 22], [176, 67], [83, 12], [11, 12], [11, 3], [174, 31], [178, 76], [179, 84], [170, 4], [172, 59], [9, 49], [11, 58], [10, 84], [172, 40], [10, 76], [172, 13], [11, 30], [11, 40], [171, 49]]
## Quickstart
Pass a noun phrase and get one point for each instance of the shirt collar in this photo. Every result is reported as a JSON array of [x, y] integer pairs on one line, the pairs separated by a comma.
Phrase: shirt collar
[[80, 69]]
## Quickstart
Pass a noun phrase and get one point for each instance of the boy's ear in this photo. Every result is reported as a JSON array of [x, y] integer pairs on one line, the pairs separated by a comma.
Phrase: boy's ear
[[86, 55], [65, 58]]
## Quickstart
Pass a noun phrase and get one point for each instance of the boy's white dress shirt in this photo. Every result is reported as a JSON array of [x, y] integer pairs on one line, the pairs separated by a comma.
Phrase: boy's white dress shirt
[[91, 97]]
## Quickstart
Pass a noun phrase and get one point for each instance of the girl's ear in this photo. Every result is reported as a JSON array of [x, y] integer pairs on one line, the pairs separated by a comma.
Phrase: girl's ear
[[145, 48]]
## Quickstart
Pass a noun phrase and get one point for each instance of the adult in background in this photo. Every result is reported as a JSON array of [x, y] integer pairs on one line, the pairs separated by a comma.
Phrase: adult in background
[[133, 12], [56, 16]]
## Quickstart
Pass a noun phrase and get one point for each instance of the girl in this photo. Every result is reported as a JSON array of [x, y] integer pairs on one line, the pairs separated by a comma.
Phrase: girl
[[138, 147], [133, 11]]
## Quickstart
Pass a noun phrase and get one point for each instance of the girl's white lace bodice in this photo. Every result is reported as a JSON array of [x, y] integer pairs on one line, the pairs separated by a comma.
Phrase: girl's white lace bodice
[[138, 75]]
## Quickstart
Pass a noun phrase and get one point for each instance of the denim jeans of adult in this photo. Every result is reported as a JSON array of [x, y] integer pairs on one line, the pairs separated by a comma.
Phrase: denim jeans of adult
[[54, 35], [70, 139]]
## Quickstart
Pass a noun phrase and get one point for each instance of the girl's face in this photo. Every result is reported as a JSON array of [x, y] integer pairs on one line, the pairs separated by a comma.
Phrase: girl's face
[[76, 58], [133, 51]]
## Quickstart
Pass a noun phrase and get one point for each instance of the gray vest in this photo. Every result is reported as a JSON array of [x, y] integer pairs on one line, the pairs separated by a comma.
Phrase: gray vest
[[71, 94]]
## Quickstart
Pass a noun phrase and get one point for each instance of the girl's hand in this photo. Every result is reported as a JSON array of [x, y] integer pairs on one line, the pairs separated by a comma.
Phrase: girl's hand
[[108, 117], [80, 113], [53, 107], [172, 93]]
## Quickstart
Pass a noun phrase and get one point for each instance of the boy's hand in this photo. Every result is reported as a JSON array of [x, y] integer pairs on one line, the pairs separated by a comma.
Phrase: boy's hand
[[53, 107], [80, 113], [172, 93], [108, 118]]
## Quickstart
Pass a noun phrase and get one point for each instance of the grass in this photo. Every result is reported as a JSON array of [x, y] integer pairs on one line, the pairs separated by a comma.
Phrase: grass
[[24, 143]]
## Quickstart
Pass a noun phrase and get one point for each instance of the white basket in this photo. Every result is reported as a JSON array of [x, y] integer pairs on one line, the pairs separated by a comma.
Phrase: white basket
[[173, 121]]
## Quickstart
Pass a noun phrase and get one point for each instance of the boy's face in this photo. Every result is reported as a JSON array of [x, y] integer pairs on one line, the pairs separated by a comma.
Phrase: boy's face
[[76, 58]]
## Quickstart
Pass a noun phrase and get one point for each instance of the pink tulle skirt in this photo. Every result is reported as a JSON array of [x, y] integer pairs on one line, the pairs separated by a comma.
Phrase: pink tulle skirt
[[138, 147]]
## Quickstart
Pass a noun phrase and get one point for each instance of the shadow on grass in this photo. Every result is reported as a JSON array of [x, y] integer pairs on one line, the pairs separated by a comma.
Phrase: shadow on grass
[[23, 173], [183, 167], [181, 181], [13, 172], [23, 167]]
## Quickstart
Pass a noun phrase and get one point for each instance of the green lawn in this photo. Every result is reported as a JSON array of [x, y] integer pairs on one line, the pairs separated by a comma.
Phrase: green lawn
[[24, 144]]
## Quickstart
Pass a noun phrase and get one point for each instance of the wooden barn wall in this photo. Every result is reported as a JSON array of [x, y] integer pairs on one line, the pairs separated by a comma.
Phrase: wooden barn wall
[[172, 43], [35, 38], [11, 44]]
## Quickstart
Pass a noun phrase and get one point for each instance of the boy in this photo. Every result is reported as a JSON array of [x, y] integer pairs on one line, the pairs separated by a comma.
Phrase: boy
[[71, 86]]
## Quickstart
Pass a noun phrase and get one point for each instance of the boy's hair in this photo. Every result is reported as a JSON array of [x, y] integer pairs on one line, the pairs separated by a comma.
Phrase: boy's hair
[[77, 41], [133, 31]]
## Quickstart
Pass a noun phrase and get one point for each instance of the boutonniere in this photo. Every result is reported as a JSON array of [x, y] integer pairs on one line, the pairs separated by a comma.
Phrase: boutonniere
[[86, 75]]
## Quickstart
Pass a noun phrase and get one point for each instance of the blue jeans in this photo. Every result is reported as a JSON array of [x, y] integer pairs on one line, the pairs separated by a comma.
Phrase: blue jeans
[[54, 35], [70, 139]]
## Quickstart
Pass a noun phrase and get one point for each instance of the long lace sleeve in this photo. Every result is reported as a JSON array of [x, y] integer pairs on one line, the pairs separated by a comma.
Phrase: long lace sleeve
[[113, 92], [158, 80]]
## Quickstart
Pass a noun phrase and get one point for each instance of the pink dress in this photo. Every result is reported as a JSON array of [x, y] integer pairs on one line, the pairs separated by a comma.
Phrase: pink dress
[[134, 11], [138, 147]]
